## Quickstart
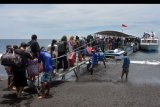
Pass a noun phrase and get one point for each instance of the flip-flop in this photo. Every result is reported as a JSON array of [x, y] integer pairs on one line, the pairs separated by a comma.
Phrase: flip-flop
[[14, 88], [39, 97]]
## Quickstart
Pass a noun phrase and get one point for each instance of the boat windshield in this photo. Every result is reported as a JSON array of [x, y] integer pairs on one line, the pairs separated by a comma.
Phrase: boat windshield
[[111, 51], [149, 41]]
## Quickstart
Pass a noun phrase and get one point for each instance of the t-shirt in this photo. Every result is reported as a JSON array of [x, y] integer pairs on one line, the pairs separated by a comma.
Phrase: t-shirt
[[126, 62], [46, 58], [34, 45], [94, 58], [62, 47], [55, 50]]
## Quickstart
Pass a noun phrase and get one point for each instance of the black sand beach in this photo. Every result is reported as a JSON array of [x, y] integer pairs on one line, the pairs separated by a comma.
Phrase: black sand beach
[[103, 89]]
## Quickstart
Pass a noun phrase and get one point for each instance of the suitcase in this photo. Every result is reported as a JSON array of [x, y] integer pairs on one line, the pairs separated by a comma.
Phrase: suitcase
[[72, 58]]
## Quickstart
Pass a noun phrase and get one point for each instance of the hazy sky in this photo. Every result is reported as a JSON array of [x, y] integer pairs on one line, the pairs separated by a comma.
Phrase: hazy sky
[[54, 20]]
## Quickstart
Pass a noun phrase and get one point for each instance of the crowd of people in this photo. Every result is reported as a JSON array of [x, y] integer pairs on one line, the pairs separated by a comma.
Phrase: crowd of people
[[30, 51]]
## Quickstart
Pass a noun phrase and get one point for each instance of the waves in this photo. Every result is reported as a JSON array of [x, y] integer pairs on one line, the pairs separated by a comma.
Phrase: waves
[[146, 62], [135, 62]]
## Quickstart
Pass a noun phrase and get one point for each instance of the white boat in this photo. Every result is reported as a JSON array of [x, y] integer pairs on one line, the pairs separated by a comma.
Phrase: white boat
[[0, 56], [149, 42], [114, 54]]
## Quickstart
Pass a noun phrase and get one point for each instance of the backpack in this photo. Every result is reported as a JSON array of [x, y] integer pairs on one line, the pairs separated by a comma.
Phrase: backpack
[[28, 49], [94, 59], [101, 56], [11, 59], [82, 42], [34, 68], [61, 47]]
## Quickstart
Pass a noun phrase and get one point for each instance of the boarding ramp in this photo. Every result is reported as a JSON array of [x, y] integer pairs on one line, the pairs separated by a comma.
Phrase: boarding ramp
[[76, 69]]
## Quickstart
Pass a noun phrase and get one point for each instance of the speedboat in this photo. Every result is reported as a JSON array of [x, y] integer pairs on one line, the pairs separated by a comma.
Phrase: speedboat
[[114, 54]]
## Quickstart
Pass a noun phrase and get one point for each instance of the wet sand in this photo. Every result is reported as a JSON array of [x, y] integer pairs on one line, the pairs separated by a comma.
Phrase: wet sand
[[103, 89]]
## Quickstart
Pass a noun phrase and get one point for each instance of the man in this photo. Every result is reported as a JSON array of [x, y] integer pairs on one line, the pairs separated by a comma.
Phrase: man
[[9, 49], [19, 72], [125, 66], [46, 58], [62, 51], [54, 48], [34, 46]]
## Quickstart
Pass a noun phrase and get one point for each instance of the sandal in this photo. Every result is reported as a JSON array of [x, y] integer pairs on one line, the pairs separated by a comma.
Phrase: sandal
[[39, 97]]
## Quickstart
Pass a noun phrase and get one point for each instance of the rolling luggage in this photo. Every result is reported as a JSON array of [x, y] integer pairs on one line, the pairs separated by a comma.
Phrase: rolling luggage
[[72, 58], [80, 57]]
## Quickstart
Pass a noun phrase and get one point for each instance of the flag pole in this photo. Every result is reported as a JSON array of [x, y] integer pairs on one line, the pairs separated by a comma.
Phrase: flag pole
[[122, 27]]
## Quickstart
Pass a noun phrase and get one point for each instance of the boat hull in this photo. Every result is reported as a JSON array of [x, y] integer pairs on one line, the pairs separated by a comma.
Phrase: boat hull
[[149, 47]]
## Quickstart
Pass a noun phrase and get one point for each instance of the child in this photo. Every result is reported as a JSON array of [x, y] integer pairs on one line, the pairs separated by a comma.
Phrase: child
[[92, 62], [125, 66]]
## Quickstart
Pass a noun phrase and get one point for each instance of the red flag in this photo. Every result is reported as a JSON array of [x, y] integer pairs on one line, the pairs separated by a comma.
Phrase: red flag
[[123, 25]]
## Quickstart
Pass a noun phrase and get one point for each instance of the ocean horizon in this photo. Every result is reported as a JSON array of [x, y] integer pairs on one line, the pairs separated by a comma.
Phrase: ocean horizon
[[4, 42]]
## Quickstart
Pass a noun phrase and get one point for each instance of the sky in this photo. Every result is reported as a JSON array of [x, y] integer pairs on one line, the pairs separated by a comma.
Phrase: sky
[[48, 21]]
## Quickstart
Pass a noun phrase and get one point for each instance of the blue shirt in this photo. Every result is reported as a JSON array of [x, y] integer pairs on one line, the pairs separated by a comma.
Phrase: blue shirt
[[94, 58], [126, 62], [46, 58]]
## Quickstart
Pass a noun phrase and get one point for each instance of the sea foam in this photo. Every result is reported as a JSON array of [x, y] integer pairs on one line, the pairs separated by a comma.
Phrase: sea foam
[[146, 62]]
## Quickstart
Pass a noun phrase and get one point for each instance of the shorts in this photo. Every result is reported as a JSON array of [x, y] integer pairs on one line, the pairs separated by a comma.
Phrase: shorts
[[125, 70], [46, 77]]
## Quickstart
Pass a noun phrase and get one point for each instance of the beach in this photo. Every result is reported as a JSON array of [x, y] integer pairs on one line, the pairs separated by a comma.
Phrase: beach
[[102, 89], [73, 38]]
